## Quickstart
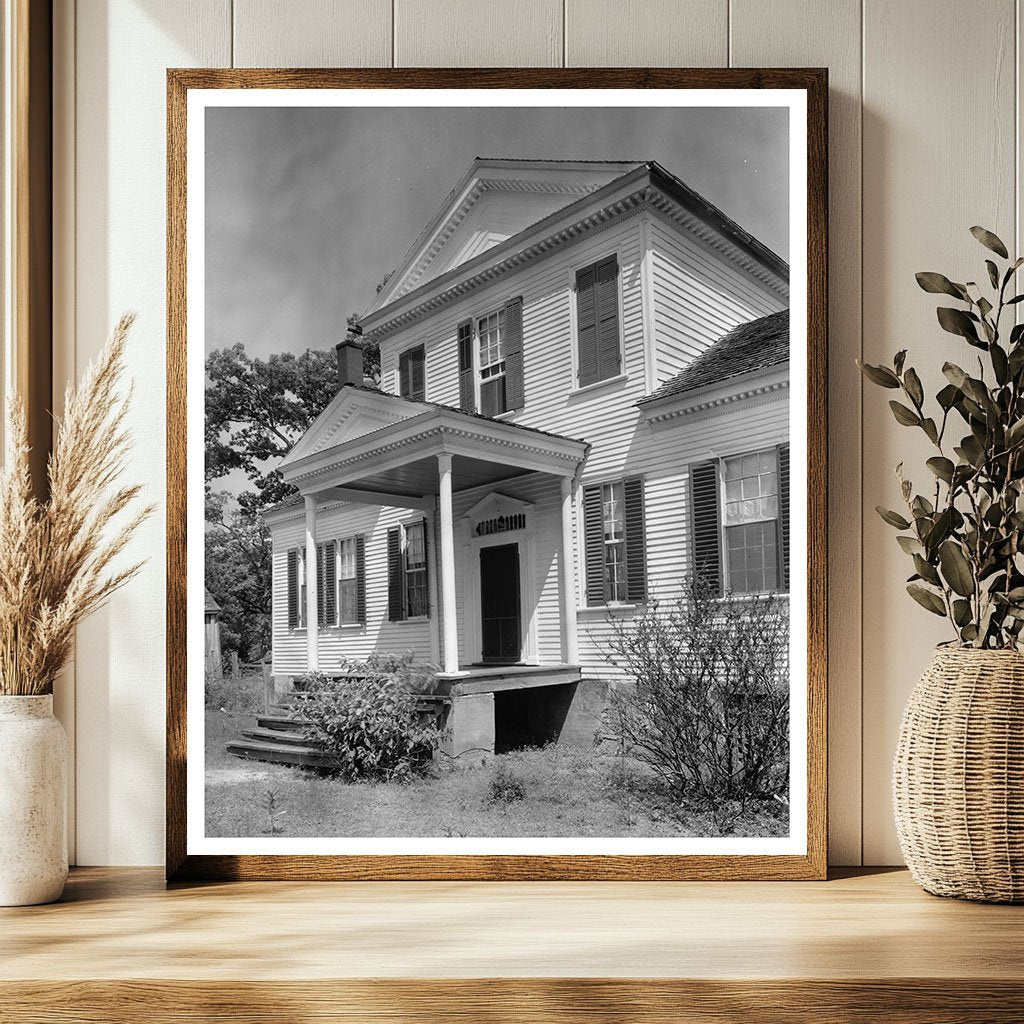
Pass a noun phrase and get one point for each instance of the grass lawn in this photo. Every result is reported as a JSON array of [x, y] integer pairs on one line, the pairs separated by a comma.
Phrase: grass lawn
[[565, 792]]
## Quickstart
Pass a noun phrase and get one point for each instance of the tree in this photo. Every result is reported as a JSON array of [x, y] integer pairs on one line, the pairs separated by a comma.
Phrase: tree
[[256, 409]]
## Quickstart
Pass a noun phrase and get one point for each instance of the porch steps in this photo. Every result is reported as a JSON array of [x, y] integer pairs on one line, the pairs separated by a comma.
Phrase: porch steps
[[278, 738], [279, 753]]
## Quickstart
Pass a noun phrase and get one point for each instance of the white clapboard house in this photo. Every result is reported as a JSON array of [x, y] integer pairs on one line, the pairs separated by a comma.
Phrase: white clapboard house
[[583, 396]]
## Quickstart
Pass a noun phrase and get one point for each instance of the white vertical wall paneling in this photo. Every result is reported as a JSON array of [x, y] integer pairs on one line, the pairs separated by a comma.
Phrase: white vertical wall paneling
[[312, 33], [468, 33], [64, 259], [941, 151], [122, 52], [646, 33], [791, 33], [939, 155]]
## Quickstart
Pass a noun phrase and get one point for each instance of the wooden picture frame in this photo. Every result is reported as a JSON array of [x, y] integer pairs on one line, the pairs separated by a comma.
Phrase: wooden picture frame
[[810, 863]]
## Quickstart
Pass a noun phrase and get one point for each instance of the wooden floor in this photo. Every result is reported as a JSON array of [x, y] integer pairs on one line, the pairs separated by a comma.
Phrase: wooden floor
[[865, 947]]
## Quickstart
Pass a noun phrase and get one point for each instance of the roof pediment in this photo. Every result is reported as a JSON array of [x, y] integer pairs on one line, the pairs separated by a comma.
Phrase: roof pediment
[[353, 413], [495, 200]]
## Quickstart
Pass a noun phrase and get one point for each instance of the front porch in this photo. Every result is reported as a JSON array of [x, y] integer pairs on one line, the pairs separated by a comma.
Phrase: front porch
[[378, 450]]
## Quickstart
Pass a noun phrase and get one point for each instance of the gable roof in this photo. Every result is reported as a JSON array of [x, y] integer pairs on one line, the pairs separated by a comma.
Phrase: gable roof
[[211, 604], [459, 230], [755, 345], [640, 186]]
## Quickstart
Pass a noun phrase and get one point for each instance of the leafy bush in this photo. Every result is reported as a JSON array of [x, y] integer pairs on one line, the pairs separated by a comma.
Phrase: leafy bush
[[964, 530], [238, 695], [367, 722], [505, 786], [708, 705]]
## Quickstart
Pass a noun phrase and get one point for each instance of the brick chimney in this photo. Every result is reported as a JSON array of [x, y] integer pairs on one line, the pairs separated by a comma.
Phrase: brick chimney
[[350, 362]]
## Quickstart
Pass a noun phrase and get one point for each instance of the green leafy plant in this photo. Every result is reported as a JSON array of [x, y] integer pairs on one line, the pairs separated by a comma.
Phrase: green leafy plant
[[368, 722], [965, 530]]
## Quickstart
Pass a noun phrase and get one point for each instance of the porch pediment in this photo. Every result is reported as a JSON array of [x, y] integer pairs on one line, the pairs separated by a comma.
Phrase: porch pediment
[[348, 448], [353, 413]]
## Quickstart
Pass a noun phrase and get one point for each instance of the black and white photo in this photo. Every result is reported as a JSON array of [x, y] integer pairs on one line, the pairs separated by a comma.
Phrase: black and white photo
[[503, 523]]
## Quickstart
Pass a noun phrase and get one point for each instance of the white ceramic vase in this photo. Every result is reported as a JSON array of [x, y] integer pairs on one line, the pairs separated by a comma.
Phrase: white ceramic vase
[[33, 802]]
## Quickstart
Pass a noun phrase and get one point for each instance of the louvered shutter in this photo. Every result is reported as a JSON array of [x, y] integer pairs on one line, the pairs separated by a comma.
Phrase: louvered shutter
[[467, 393], [608, 318], [783, 453], [589, 367], [514, 393], [704, 514], [329, 584], [417, 362], [410, 374], [593, 532], [396, 595], [426, 561], [319, 585], [636, 542], [360, 578], [293, 589], [403, 374]]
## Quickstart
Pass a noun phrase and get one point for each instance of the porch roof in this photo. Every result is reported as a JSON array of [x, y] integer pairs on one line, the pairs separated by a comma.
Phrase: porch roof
[[400, 459]]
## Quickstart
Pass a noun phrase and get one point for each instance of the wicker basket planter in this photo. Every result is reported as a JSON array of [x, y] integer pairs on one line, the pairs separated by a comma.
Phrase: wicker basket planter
[[958, 777]]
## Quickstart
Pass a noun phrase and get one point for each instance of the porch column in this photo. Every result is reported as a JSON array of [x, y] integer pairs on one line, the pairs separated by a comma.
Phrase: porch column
[[447, 530], [312, 627], [567, 591]]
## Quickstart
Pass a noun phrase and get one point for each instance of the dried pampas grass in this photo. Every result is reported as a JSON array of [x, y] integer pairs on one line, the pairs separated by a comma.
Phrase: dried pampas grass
[[56, 557]]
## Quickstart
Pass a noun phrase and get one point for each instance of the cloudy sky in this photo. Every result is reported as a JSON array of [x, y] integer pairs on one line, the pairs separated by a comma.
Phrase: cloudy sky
[[308, 209]]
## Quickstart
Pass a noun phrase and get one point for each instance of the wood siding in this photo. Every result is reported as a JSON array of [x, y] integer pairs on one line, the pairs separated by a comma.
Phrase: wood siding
[[698, 297]]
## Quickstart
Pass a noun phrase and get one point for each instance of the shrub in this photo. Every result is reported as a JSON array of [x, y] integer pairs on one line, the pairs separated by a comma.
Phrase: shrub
[[708, 708], [367, 723], [238, 695], [505, 786]]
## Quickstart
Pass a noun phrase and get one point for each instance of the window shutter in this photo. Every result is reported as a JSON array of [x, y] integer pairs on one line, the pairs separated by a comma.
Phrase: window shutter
[[514, 396], [396, 597], [636, 543], [704, 512], [410, 373], [586, 327], [608, 318], [783, 454], [360, 578], [417, 359], [593, 530], [426, 560], [467, 393], [329, 585], [319, 585], [293, 589], [403, 374]]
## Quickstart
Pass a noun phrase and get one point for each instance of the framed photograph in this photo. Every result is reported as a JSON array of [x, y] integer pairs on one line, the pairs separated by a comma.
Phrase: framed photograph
[[496, 474]]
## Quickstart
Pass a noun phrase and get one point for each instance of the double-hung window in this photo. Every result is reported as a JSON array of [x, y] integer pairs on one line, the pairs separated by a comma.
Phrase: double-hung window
[[408, 576], [490, 334], [613, 515], [490, 352], [348, 583], [740, 521], [340, 583]]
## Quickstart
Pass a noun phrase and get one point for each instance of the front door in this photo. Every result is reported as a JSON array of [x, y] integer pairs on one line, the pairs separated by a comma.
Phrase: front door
[[499, 603]]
